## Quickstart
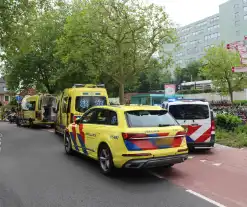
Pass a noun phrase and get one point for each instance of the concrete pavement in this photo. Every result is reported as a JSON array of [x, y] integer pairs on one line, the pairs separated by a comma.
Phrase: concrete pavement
[[35, 172]]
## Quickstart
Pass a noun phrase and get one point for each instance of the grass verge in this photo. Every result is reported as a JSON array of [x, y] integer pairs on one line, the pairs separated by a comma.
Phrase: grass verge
[[236, 138]]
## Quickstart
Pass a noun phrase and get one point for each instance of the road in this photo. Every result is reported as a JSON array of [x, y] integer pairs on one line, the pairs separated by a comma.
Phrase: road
[[35, 172]]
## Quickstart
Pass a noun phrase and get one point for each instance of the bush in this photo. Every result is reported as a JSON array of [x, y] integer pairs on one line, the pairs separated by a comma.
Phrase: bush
[[240, 102], [234, 138], [227, 121]]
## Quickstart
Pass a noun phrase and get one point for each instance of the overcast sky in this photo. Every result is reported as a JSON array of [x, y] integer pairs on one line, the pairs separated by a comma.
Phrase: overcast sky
[[184, 12]]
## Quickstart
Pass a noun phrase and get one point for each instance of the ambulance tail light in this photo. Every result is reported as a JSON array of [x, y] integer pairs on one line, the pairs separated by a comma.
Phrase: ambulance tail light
[[127, 136]]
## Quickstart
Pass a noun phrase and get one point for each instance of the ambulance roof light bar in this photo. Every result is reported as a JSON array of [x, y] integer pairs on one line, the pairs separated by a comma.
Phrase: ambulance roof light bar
[[89, 86], [78, 85]]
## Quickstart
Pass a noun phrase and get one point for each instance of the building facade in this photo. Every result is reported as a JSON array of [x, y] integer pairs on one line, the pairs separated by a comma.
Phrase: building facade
[[229, 25], [5, 95]]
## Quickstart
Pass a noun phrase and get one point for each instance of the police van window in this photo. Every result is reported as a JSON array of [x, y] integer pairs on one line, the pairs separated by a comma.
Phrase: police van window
[[189, 111], [64, 105], [83, 103]]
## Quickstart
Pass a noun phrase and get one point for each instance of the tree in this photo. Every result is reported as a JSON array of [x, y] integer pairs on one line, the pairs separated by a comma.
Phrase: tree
[[190, 73], [36, 65], [218, 63], [117, 38]]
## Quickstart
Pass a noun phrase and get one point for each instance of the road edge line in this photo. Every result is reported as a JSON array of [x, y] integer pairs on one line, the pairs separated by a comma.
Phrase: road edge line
[[205, 198]]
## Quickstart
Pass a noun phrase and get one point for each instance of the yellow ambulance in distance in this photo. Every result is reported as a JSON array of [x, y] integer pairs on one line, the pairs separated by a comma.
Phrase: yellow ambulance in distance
[[37, 110], [73, 102]]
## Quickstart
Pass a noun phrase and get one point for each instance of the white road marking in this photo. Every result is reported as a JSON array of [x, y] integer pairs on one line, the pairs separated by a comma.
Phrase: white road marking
[[217, 164], [203, 160], [50, 130], [191, 157], [156, 174], [205, 198]]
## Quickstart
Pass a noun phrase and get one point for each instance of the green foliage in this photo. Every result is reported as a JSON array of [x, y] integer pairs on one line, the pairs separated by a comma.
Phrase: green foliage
[[240, 102], [13, 102], [190, 73], [227, 121], [218, 62], [236, 138], [117, 38], [35, 64]]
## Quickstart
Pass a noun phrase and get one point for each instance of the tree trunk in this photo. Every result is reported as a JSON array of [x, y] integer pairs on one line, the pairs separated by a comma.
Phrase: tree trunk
[[230, 90], [121, 93], [231, 96]]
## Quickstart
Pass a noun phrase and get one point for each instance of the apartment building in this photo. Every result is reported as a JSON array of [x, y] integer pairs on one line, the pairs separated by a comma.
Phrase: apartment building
[[229, 25]]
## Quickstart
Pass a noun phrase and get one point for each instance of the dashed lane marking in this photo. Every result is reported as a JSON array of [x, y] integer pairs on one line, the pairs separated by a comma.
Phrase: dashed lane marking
[[217, 164], [203, 160], [155, 174], [191, 157], [205, 198]]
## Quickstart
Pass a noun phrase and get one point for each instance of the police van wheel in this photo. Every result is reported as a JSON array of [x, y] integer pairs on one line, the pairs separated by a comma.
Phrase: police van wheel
[[105, 160], [67, 145]]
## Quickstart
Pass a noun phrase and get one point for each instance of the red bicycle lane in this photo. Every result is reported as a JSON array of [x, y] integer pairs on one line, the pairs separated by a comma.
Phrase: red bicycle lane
[[220, 175]]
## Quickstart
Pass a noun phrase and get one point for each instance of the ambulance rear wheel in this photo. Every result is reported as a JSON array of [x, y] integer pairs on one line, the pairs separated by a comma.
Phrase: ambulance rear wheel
[[17, 121], [67, 144], [30, 123]]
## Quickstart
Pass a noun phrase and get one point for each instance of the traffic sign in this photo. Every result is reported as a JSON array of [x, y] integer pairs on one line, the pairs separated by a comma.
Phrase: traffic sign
[[18, 99], [241, 48], [239, 69]]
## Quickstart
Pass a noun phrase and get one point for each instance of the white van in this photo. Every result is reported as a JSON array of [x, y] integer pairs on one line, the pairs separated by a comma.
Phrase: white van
[[198, 120]]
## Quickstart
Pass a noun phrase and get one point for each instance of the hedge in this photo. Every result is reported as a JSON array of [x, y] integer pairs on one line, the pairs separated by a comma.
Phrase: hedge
[[228, 121]]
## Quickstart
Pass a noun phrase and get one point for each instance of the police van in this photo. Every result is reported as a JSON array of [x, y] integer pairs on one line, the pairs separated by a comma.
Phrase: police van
[[197, 118]]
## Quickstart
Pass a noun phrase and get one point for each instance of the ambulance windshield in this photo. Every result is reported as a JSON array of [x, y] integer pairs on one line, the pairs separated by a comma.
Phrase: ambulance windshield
[[189, 111], [83, 103]]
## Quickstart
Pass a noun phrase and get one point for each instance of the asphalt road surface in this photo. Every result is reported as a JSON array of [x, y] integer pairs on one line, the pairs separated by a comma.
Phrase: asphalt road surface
[[35, 172]]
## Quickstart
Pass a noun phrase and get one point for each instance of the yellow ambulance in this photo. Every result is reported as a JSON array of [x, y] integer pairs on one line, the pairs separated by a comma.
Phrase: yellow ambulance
[[73, 102], [37, 110]]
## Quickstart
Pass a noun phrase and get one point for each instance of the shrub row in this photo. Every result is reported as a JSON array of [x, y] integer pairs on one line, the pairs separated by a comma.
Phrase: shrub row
[[228, 122]]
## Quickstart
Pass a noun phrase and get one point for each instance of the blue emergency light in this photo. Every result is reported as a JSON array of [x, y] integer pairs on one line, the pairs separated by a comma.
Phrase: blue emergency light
[[171, 100], [190, 99]]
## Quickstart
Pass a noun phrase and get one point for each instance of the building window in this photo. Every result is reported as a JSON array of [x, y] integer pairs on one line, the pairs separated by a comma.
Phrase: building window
[[244, 1], [200, 41], [237, 15], [6, 98], [237, 23], [236, 6], [245, 8], [213, 27], [238, 33], [245, 17]]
